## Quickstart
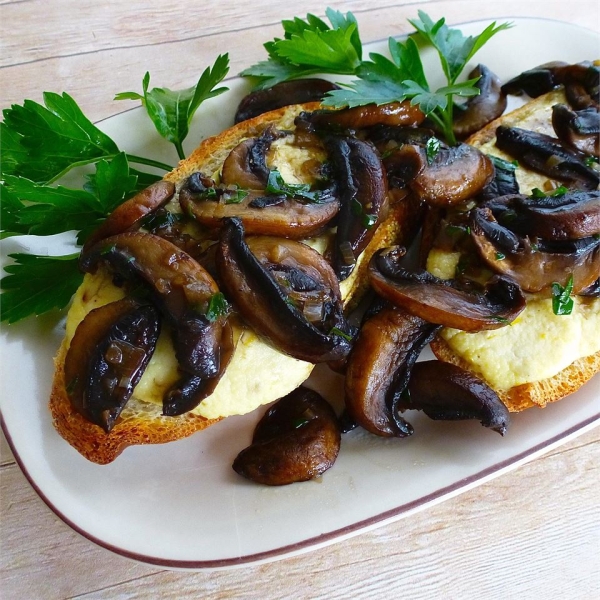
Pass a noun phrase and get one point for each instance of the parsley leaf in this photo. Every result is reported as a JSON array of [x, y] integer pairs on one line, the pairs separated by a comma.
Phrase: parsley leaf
[[42, 143], [36, 284], [217, 307], [562, 302], [276, 185], [172, 111], [35, 209], [310, 46]]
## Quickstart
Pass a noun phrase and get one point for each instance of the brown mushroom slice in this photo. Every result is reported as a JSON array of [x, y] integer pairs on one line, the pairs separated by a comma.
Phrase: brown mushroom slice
[[535, 82], [456, 174], [548, 156], [482, 109], [570, 216], [246, 165], [534, 266], [578, 129], [178, 284], [107, 357], [294, 218], [297, 439], [379, 366], [440, 301], [297, 91], [269, 301], [131, 213], [446, 392], [362, 184], [187, 393], [361, 117]]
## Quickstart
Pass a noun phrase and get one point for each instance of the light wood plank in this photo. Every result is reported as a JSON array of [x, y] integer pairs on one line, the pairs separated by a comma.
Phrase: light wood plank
[[113, 70]]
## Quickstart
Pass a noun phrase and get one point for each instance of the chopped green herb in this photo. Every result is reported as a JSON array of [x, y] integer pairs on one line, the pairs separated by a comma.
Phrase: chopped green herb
[[234, 196], [432, 149], [500, 256], [591, 161], [217, 307], [562, 302], [369, 220], [337, 331], [559, 191], [276, 185], [300, 422]]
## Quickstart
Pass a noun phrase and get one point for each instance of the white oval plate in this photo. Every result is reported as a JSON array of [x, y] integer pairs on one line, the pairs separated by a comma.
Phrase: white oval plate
[[180, 505]]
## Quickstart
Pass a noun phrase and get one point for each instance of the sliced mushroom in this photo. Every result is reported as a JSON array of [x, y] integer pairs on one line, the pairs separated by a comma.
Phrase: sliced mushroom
[[132, 212], [440, 301], [535, 266], [297, 439], [362, 184], [446, 392], [107, 357], [178, 284], [191, 389], [548, 156], [535, 82], [246, 165], [295, 218], [482, 109], [456, 174], [297, 91], [361, 117], [578, 129], [570, 216], [266, 288], [379, 367], [503, 182]]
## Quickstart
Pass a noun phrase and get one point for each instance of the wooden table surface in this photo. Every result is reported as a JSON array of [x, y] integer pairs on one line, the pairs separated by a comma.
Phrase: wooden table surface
[[533, 533]]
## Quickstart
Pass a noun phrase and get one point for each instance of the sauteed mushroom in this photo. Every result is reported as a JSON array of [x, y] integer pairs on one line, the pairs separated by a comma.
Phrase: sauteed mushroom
[[379, 367], [286, 291], [297, 91], [456, 174], [361, 117], [570, 216], [246, 165], [578, 129], [107, 357], [363, 193], [482, 109], [440, 301], [535, 266], [178, 284], [548, 156], [297, 439], [262, 214], [132, 212], [446, 392]]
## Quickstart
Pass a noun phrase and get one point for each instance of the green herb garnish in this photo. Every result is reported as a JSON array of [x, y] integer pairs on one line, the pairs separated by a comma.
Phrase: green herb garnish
[[217, 307], [559, 191], [37, 284], [337, 331], [500, 256], [172, 111], [432, 149], [562, 302], [310, 46], [276, 185], [233, 196]]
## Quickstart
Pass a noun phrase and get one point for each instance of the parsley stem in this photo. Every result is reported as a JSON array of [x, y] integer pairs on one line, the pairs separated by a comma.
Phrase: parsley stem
[[90, 161], [179, 147]]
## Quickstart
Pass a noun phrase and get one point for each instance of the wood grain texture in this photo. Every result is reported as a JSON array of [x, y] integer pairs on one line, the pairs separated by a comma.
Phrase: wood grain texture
[[532, 533]]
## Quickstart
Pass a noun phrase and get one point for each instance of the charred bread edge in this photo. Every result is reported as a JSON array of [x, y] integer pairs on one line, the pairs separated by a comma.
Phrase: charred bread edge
[[142, 422]]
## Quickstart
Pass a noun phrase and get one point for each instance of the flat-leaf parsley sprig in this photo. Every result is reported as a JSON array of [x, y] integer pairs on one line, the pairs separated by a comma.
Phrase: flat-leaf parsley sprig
[[172, 111], [310, 46]]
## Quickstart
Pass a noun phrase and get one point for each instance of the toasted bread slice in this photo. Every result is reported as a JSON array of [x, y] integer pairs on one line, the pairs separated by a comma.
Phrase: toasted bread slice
[[257, 374], [556, 379]]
